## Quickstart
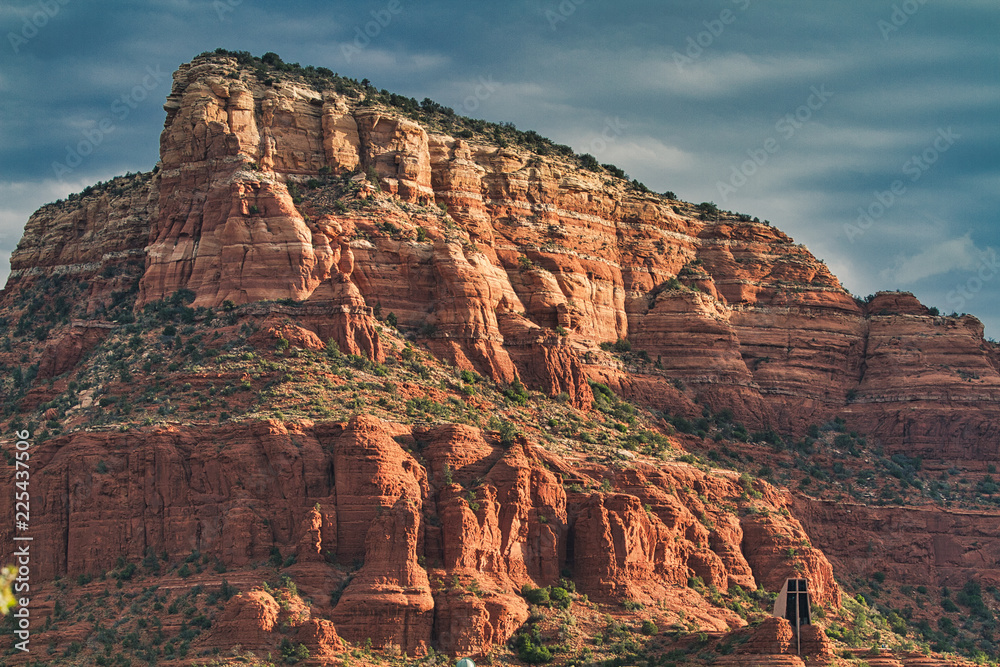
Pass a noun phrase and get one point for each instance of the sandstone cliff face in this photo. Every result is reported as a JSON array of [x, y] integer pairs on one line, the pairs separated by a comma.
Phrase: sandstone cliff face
[[389, 600], [93, 246], [83, 236], [927, 384], [529, 246], [342, 493], [933, 546]]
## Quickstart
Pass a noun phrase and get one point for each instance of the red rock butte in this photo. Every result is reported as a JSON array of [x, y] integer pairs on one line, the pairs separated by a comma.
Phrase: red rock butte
[[517, 266]]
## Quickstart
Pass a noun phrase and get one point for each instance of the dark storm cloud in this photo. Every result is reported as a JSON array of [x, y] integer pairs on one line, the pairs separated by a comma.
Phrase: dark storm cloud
[[680, 94]]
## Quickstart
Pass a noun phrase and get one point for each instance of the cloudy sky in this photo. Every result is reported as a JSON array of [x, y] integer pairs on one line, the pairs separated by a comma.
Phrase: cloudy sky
[[867, 129]]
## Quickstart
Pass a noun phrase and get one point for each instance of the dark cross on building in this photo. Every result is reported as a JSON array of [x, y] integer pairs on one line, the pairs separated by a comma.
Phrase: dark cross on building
[[792, 603]]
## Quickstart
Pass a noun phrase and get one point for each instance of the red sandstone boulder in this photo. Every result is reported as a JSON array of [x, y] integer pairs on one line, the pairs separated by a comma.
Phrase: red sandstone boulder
[[273, 330], [320, 637], [773, 636], [249, 619], [466, 623], [389, 600]]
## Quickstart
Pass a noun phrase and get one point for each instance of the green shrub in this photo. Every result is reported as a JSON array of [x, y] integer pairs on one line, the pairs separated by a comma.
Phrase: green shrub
[[621, 346], [539, 596], [227, 590], [897, 624], [508, 433], [560, 597], [615, 171], [517, 393], [126, 572], [532, 652], [589, 162], [707, 210], [292, 653]]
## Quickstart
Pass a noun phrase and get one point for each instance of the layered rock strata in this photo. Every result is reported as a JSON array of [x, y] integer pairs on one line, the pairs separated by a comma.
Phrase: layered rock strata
[[346, 493]]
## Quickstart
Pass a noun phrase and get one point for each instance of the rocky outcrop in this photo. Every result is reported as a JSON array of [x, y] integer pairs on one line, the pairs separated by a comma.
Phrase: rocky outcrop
[[275, 329], [530, 246], [927, 387], [492, 519], [62, 353], [635, 546], [773, 642], [936, 546], [320, 637], [773, 636], [468, 623], [614, 548], [389, 600], [371, 472], [88, 235], [398, 149], [249, 620], [814, 642], [779, 550]]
